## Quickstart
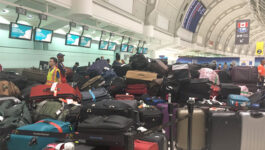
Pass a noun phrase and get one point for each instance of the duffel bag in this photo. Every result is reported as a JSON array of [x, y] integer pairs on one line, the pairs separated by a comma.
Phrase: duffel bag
[[8, 88], [117, 86], [122, 70], [24, 142], [105, 124]]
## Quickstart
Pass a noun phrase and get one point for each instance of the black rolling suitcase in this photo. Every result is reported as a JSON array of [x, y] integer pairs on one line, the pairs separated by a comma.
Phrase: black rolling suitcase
[[227, 88], [151, 117], [224, 131]]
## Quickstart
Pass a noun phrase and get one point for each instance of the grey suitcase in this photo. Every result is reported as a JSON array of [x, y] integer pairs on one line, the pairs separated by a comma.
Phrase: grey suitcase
[[198, 130], [253, 130], [158, 138]]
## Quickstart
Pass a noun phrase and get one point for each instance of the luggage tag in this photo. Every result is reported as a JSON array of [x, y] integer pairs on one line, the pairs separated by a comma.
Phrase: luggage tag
[[54, 89]]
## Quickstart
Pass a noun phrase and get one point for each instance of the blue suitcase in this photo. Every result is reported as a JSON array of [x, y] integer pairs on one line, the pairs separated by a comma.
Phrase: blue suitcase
[[23, 142], [238, 100]]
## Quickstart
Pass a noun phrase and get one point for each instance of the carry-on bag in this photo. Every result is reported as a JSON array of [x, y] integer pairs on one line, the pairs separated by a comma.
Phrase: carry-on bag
[[9, 89], [95, 95], [244, 74], [110, 107], [24, 142], [227, 88], [158, 138], [253, 130], [64, 90], [105, 124], [238, 100], [35, 74], [158, 66], [164, 109], [224, 130], [198, 130], [136, 89], [181, 72], [96, 82], [151, 117], [124, 97], [141, 75]]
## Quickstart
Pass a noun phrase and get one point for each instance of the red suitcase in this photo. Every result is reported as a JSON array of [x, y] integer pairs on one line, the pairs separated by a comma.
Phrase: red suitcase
[[124, 97], [137, 89], [64, 90]]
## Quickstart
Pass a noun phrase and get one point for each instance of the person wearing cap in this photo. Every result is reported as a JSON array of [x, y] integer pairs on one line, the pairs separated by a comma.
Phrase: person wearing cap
[[54, 73], [61, 67]]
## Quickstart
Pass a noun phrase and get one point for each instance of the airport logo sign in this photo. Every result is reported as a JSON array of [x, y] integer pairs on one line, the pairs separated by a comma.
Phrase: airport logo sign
[[242, 32]]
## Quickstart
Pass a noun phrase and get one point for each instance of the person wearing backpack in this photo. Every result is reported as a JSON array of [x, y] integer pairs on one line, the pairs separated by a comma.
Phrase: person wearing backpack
[[53, 73]]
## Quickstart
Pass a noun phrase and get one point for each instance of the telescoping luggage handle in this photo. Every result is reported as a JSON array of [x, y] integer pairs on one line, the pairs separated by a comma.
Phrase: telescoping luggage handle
[[60, 130], [190, 103]]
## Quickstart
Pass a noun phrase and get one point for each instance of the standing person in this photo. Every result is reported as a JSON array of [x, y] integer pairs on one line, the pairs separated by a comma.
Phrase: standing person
[[231, 67], [219, 67], [108, 60], [1, 68], [75, 66], [261, 75], [117, 60], [53, 73], [61, 67], [225, 67]]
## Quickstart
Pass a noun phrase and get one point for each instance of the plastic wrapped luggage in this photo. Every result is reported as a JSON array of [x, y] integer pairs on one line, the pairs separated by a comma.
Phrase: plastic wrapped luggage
[[151, 117], [244, 74], [253, 130], [224, 131], [206, 73], [198, 130], [35, 75], [227, 88], [141, 75], [24, 142], [244, 91], [136, 89], [64, 90], [164, 109]]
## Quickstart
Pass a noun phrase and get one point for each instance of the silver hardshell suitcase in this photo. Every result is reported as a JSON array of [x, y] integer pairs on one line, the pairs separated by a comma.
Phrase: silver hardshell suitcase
[[253, 130]]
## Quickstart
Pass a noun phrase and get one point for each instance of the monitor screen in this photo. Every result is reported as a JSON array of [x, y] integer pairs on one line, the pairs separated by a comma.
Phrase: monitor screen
[[145, 50], [140, 50], [72, 39], [85, 41], [103, 45], [43, 35], [124, 48], [130, 49], [20, 31], [112, 46], [193, 16]]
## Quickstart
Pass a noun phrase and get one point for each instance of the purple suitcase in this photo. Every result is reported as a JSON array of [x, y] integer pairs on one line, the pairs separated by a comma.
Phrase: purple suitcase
[[164, 109]]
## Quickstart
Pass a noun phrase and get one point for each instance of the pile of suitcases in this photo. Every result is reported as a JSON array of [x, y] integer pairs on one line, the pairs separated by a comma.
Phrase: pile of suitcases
[[141, 105]]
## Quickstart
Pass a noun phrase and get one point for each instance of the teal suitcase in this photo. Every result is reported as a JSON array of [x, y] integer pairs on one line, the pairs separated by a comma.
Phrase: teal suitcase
[[23, 142], [238, 100]]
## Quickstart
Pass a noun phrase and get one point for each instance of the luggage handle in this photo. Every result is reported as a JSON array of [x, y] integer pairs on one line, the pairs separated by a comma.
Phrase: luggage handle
[[60, 130], [256, 114]]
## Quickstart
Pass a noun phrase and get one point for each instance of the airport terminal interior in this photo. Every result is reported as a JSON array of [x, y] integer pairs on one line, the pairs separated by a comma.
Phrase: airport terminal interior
[[132, 75]]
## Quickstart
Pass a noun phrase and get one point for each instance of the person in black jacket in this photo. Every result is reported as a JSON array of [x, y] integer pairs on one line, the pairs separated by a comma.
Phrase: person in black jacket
[[117, 62]]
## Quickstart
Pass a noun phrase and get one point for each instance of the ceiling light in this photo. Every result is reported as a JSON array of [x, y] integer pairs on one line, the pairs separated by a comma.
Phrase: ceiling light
[[5, 11], [30, 16]]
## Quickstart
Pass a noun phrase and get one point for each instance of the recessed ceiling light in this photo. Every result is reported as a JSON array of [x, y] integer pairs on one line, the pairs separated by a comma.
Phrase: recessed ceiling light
[[30, 16], [5, 11]]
